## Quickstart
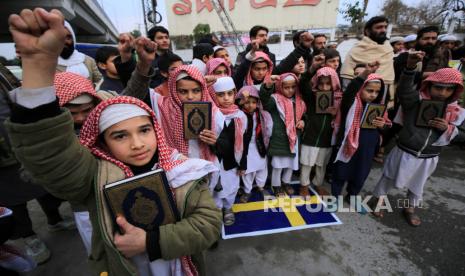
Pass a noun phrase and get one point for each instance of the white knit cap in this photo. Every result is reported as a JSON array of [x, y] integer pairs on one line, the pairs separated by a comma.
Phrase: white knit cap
[[396, 39], [410, 38], [116, 113], [224, 84], [82, 99], [448, 37]]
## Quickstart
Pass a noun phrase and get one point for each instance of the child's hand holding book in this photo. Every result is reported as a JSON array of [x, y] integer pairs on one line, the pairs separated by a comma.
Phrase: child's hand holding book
[[439, 123], [379, 122], [132, 241]]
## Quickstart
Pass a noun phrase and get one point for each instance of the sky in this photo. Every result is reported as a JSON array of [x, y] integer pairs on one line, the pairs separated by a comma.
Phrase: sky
[[127, 15]]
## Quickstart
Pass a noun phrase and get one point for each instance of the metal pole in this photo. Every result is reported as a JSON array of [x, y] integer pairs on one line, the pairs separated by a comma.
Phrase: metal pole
[[145, 16]]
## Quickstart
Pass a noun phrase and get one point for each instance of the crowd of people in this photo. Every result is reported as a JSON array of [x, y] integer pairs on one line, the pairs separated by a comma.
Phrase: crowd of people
[[74, 124]]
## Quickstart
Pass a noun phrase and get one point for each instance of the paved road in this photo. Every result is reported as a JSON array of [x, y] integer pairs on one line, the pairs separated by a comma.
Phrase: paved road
[[363, 245]]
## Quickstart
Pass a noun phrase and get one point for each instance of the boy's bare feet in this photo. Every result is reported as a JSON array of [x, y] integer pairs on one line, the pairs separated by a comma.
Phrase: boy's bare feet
[[321, 191], [304, 192], [412, 218]]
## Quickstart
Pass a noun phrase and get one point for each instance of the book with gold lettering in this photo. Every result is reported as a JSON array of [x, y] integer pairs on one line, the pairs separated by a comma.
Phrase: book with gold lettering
[[196, 116], [370, 113], [145, 200], [429, 109], [323, 100]]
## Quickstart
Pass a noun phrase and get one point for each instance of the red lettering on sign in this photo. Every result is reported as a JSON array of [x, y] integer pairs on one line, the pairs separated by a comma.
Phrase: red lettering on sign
[[182, 9], [291, 3], [266, 3], [202, 5]]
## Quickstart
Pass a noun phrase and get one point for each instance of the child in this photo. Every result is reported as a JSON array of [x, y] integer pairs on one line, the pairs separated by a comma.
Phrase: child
[[286, 108], [104, 58], [413, 160], [167, 64], [356, 146], [218, 67], [122, 138], [77, 94], [221, 52], [260, 125], [255, 68], [187, 84], [316, 142], [202, 53], [332, 59], [299, 67], [232, 155]]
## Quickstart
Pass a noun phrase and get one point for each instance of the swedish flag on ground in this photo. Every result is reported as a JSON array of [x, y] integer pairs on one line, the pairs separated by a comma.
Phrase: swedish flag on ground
[[262, 216]]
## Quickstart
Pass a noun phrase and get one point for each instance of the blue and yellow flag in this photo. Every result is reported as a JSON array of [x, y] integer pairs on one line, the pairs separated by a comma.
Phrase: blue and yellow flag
[[261, 216]]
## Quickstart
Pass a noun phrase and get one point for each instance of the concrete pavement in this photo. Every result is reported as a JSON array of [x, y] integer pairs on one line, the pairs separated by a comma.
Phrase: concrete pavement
[[363, 245]]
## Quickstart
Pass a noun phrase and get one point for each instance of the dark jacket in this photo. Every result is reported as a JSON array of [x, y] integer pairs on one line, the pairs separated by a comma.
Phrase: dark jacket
[[225, 148], [125, 70], [241, 56], [318, 129], [412, 139], [440, 59], [14, 187], [261, 148], [348, 99], [287, 64]]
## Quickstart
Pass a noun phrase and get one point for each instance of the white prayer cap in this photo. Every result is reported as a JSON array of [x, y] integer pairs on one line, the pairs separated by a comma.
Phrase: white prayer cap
[[82, 99], [288, 78], [116, 113], [396, 39], [224, 84], [217, 48], [182, 75], [448, 37], [410, 38]]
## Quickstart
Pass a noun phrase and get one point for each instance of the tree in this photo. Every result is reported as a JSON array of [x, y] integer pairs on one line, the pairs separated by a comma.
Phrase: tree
[[395, 11], [136, 33], [355, 14], [200, 31]]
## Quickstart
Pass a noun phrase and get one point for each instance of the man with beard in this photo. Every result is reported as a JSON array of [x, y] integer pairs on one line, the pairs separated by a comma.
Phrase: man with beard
[[319, 43], [374, 46], [259, 33], [71, 60], [435, 56]]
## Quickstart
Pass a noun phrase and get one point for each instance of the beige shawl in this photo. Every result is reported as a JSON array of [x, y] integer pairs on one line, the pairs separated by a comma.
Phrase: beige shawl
[[366, 51]]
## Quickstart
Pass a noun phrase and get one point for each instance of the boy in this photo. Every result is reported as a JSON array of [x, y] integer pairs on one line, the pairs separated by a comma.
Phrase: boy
[[202, 53], [167, 64], [104, 58], [415, 157], [123, 138], [255, 68]]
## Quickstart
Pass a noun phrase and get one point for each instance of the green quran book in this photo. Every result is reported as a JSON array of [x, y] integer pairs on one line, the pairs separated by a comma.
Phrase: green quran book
[[370, 113], [145, 200], [196, 116]]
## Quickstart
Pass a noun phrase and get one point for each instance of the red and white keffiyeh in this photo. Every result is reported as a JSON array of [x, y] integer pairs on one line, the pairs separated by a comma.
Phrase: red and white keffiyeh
[[214, 63], [335, 85], [259, 56], [171, 113], [264, 120], [454, 113], [90, 132], [286, 108], [89, 138], [352, 124], [69, 85]]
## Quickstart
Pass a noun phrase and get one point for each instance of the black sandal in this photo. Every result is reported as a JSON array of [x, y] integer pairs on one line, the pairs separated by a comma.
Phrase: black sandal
[[411, 217]]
